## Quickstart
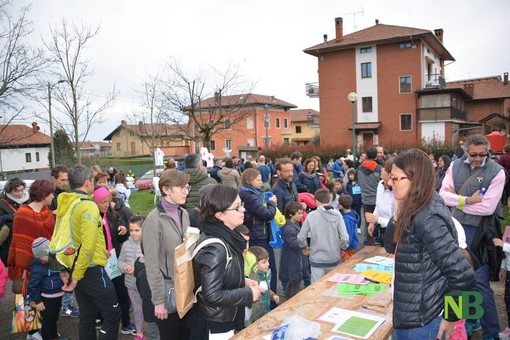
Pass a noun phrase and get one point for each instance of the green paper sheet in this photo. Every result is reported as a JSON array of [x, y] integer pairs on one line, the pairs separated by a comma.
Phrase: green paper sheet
[[352, 289]]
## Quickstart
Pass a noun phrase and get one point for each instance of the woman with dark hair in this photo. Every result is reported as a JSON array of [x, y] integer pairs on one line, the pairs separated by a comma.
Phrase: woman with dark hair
[[30, 222], [163, 230], [258, 215], [309, 176], [428, 261], [225, 291], [121, 187], [10, 200], [442, 165], [229, 176]]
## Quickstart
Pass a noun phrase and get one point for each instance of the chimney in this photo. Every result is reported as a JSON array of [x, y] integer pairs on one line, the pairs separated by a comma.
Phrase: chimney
[[35, 127], [339, 27], [469, 88], [325, 38], [439, 34], [377, 21], [505, 78], [123, 122]]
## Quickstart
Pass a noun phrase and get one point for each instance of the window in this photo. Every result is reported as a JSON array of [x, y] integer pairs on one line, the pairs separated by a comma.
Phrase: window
[[365, 50], [286, 141], [118, 147], [405, 84], [250, 142], [366, 70], [298, 129], [28, 157], [406, 123], [405, 44], [277, 123], [131, 133], [228, 124], [367, 104], [228, 144], [213, 145], [249, 123], [285, 123], [37, 156]]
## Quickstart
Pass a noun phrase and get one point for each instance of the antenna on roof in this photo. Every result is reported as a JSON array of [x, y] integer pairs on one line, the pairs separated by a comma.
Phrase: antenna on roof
[[354, 16]]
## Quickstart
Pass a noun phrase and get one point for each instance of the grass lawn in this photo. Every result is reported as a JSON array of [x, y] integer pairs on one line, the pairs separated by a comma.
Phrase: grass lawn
[[142, 202]]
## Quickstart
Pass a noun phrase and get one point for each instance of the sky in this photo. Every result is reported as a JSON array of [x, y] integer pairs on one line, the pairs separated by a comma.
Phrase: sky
[[266, 38]]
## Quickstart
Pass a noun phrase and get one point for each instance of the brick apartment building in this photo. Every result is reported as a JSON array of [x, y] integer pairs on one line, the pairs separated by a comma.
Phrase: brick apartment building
[[399, 77]]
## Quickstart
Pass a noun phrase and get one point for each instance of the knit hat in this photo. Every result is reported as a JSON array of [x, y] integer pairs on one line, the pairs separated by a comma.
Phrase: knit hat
[[101, 193], [40, 247]]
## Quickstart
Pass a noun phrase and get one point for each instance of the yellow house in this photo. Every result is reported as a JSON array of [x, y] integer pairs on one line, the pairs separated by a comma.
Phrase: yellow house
[[304, 126], [141, 139]]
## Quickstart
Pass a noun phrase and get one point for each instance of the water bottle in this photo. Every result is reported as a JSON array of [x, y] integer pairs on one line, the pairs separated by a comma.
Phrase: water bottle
[[483, 191]]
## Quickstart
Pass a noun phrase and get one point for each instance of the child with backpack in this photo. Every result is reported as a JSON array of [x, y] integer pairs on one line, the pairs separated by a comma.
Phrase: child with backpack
[[131, 250], [294, 265], [351, 219], [45, 289]]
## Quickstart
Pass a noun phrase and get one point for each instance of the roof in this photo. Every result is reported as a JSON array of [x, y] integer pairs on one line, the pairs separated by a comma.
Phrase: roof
[[380, 34], [147, 130], [248, 99], [19, 135], [302, 115], [91, 145], [483, 88]]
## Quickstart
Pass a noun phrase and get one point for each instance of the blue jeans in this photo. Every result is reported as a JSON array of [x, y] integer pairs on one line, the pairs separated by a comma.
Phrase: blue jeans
[[429, 331], [489, 320], [67, 299]]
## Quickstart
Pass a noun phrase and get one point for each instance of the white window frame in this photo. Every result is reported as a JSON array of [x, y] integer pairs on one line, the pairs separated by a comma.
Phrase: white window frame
[[285, 123], [249, 122]]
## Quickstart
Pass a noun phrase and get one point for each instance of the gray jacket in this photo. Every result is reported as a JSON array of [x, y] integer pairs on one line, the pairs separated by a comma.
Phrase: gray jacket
[[327, 236], [131, 250], [230, 177], [161, 236], [369, 175]]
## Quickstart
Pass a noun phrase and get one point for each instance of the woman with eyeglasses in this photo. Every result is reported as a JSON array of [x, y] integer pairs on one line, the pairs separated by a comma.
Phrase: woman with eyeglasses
[[163, 230], [258, 216], [115, 217], [225, 290], [428, 261], [11, 199]]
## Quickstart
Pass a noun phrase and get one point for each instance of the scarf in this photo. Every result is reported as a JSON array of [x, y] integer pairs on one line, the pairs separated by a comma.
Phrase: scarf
[[20, 201], [27, 226], [109, 244], [308, 175], [232, 237]]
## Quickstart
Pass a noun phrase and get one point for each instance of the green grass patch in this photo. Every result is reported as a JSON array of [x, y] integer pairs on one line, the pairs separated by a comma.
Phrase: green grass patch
[[142, 202]]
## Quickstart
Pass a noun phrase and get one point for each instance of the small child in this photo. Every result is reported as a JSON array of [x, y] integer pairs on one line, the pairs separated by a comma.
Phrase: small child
[[131, 250], [351, 219], [339, 187], [328, 236], [294, 265], [354, 190], [263, 306], [144, 290], [250, 271], [334, 196], [45, 289]]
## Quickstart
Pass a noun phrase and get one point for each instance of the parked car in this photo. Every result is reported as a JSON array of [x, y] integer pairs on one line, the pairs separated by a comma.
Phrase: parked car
[[145, 182]]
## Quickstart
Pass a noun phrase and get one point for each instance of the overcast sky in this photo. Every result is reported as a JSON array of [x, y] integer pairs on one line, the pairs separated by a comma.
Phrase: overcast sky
[[265, 37]]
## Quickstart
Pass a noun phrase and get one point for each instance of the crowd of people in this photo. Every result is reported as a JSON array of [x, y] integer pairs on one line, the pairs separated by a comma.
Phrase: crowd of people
[[439, 219]]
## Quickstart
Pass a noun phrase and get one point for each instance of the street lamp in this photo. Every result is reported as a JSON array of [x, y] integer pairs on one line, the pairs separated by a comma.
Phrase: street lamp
[[352, 98], [52, 144]]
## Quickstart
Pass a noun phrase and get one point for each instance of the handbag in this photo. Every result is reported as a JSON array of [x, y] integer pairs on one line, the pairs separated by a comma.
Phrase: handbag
[[24, 316], [170, 303]]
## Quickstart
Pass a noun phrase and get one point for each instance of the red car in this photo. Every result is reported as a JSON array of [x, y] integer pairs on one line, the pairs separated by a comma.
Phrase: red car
[[145, 182]]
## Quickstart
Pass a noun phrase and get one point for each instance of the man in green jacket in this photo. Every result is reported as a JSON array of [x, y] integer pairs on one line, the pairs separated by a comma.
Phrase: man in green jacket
[[198, 178]]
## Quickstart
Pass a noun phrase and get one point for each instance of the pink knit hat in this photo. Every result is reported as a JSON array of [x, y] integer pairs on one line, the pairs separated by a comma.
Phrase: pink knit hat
[[100, 194]]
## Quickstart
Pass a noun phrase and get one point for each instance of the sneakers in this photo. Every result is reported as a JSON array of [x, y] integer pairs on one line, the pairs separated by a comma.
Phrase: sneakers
[[35, 336], [505, 334], [129, 329], [139, 337], [98, 324], [70, 311]]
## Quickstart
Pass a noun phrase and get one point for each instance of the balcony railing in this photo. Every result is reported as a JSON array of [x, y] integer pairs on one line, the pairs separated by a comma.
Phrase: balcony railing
[[435, 81], [312, 90]]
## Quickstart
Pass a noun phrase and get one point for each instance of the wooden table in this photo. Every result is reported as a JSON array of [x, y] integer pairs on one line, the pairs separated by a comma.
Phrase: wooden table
[[311, 303]]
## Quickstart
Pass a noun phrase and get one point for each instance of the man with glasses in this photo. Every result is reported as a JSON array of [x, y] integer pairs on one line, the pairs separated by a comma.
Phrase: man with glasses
[[284, 189], [463, 190]]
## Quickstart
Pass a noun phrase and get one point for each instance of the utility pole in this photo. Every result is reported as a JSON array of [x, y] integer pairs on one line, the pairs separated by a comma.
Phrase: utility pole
[[266, 126], [52, 144]]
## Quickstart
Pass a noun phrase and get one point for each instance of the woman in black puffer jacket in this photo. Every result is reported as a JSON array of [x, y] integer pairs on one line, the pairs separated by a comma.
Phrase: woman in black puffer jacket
[[225, 291], [428, 261]]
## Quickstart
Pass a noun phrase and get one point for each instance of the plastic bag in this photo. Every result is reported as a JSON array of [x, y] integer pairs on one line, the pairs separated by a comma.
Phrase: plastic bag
[[300, 328]]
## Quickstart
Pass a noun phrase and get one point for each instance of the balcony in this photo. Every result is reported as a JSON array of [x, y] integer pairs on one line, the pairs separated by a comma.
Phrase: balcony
[[312, 90], [441, 114], [435, 81]]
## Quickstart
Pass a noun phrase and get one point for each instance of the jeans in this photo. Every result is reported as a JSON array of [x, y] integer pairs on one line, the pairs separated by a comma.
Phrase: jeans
[[429, 331], [67, 299], [489, 320]]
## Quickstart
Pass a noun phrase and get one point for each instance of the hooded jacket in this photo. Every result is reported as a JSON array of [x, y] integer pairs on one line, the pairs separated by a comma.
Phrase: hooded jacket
[[197, 179], [294, 265], [328, 236], [87, 228], [369, 173], [230, 177], [256, 216], [351, 220]]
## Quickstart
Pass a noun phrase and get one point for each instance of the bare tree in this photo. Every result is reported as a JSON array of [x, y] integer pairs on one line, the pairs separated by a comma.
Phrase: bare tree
[[81, 110], [19, 63], [201, 120], [149, 122]]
